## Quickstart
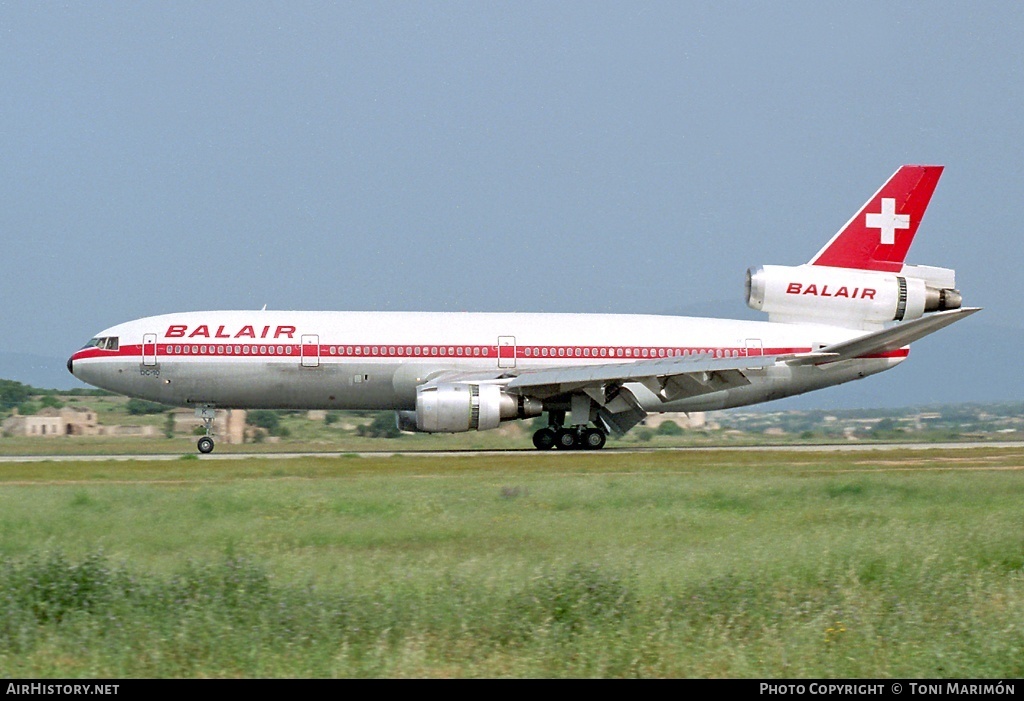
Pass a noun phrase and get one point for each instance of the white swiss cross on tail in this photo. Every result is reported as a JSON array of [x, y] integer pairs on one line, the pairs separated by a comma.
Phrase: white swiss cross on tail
[[887, 221], [869, 240]]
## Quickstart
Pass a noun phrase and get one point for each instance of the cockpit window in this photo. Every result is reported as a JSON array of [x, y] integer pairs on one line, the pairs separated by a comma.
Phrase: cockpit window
[[105, 343]]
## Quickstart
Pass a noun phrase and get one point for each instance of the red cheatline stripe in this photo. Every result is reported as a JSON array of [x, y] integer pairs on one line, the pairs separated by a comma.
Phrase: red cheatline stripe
[[275, 350], [531, 352]]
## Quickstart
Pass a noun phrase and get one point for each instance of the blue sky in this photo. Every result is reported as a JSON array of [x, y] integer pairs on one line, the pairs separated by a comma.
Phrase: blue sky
[[565, 156]]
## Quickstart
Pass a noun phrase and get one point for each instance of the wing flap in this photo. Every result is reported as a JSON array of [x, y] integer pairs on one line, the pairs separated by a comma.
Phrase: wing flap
[[621, 413], [692, 384], [569, 379]]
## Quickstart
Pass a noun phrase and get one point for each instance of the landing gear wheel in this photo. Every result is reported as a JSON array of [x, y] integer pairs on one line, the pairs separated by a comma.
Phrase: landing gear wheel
[[594, 439], [566, 440], [205, 444], [544, 439]]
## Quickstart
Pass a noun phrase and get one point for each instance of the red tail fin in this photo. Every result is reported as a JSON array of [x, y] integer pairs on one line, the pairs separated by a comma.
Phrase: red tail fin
[[879, 235]]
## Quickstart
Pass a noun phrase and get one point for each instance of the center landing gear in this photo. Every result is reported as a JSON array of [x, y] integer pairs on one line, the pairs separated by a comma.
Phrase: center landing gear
[[572, 438]]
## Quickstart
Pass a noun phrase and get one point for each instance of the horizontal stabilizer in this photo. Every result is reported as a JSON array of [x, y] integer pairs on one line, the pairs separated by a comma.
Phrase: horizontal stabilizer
[[886, 339]]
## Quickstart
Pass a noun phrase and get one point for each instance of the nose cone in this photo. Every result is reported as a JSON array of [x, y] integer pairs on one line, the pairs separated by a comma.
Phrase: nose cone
[[77, 355]]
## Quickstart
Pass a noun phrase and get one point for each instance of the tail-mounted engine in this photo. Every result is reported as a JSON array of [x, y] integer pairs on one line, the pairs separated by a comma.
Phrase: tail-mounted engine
[[848, 297], [454, 408]]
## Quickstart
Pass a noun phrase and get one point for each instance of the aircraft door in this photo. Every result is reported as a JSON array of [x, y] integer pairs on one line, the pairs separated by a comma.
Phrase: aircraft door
[[149, 349], [310, 350], [506, 351], [754, 347]]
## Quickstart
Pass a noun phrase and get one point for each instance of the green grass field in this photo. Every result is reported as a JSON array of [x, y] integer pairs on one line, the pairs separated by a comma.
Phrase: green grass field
[[662, 564]]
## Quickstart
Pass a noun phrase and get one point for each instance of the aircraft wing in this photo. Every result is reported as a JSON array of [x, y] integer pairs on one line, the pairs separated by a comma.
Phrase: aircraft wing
[[700, 374], [884, 340]]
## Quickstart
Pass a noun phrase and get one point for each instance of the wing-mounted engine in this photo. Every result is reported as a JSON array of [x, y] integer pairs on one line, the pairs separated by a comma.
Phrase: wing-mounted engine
[[850, 297], [458, 407]]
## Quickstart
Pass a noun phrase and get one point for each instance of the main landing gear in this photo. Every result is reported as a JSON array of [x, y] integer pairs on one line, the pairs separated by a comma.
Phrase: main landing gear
[[572, 438]]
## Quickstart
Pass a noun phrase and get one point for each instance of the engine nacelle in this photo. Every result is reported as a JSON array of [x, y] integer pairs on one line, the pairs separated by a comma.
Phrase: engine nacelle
[[845, 296], [458, 407]]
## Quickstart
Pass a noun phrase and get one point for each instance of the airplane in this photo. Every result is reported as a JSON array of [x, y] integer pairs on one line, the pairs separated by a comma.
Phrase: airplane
[[848, 313]]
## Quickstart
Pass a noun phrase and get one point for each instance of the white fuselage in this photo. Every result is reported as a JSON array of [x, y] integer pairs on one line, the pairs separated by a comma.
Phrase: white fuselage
[[376, 360]]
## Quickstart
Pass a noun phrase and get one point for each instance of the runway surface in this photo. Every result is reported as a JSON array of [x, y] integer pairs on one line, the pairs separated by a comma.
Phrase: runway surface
[[526, 453]]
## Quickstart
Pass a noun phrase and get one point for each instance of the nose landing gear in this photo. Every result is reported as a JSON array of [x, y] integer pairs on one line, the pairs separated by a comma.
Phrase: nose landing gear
[[207, 414]]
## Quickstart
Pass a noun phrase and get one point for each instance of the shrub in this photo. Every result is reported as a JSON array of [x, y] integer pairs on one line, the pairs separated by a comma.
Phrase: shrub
[[51, 401], [669, 428], [52, 587], [382, 426], [262, 418], [13, 393], [136, 407]]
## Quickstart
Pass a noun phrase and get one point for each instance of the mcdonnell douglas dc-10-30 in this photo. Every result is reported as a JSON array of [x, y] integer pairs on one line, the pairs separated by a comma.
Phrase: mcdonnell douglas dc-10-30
[[848, 313]]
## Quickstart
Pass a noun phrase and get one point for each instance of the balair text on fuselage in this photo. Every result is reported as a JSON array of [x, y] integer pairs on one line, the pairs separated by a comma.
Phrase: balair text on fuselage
[[223, 331]]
